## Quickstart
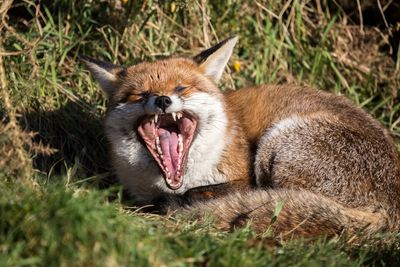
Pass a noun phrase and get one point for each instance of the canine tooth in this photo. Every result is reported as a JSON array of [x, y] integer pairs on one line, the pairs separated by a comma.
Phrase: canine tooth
[[179, 115], [156, 118], [174, 116], [158, 140]]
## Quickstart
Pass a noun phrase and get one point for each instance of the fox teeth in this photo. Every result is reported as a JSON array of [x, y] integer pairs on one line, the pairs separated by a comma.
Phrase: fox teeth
[[179, 115], [156, 118], [157, 140], [180, 143], [159, 150], [174, 116]]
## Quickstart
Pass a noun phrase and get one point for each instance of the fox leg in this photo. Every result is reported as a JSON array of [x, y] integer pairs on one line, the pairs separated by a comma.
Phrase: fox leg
[[329, 159]]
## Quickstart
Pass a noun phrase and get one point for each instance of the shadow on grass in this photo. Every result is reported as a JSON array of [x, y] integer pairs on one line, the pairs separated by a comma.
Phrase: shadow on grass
[[78, 137]]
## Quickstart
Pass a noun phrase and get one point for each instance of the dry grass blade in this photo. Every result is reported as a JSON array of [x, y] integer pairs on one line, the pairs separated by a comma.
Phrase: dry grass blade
[[15, 142]]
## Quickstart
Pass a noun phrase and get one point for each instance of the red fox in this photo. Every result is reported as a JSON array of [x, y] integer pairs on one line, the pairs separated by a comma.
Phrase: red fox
[[172, 131]]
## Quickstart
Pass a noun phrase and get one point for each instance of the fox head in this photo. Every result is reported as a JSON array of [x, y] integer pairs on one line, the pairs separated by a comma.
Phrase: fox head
[[166, 120]]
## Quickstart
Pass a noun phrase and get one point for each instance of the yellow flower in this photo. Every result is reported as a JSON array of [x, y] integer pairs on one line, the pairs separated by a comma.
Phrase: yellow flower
[[173, 7], [236, 65], [124, 2]]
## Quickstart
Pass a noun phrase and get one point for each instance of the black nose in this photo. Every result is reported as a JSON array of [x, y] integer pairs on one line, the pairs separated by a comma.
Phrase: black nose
[[163, 102]]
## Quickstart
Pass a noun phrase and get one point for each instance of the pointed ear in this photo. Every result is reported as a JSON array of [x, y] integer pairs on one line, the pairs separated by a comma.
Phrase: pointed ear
[[214, 59], [107, 74]]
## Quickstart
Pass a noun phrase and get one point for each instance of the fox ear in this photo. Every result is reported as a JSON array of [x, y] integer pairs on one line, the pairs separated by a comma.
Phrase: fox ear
[[107, 74], [214, 59]]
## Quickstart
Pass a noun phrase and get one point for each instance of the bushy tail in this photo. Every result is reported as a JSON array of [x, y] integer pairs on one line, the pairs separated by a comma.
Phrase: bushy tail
[[290, 212]]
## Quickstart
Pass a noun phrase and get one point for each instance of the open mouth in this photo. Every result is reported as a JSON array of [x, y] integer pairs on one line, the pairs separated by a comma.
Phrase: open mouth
[[168, 138]]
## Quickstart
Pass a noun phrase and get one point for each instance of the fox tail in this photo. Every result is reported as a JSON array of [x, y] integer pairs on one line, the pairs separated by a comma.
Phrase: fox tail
[[290, 212]]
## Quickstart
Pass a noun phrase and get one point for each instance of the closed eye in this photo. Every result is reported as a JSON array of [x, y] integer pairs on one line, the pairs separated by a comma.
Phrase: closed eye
[[136, 97], [180, 88]]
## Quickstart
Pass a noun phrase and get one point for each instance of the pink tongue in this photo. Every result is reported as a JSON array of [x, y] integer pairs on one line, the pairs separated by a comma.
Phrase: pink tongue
[[169, 147]]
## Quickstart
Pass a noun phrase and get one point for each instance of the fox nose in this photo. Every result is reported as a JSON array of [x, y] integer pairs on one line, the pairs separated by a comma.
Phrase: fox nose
[[163, 102]]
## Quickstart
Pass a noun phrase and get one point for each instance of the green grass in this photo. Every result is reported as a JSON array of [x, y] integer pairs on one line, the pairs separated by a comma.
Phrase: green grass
[[54, 225], [57, 207]]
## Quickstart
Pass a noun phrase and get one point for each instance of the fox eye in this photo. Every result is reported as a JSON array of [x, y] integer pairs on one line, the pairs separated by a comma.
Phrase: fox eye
[[136, 97], [180, 88]]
